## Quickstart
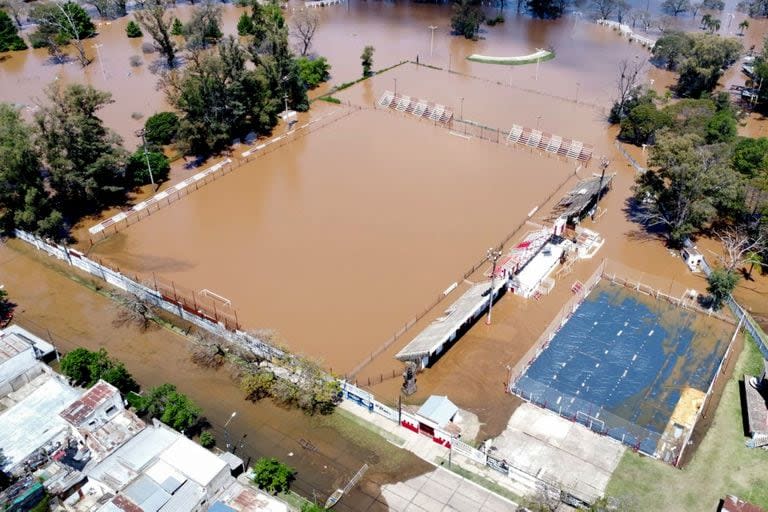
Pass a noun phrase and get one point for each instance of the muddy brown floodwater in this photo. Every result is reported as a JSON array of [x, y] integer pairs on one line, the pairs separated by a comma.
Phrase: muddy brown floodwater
[[338, 238], [71, 315]]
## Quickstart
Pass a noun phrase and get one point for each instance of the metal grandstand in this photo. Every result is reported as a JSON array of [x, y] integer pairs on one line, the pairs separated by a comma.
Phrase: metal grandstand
[[417, 107], [550, 143]]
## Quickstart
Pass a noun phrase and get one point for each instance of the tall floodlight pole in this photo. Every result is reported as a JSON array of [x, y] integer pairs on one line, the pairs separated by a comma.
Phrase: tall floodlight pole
[[432, 40], [395, 79], [578, 85], [142, 133], [461, 114], [101, 63], [538, 120], [493, 256], [730, 19], [226, 432]]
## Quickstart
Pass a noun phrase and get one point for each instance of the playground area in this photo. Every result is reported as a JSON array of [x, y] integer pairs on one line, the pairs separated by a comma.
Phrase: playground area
[[629, 366], [325, 239]]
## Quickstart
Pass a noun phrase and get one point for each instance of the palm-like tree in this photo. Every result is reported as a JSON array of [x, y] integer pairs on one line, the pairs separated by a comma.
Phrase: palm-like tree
[[744, 25], [706, 20], [753, 258]]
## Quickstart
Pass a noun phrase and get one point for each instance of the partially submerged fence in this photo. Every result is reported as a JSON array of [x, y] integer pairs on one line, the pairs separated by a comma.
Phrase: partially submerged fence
[[220, 320], [164, 198]]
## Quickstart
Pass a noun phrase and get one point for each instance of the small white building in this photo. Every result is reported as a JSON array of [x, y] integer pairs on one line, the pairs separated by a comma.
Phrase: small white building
[[692, 258], [436, 413]]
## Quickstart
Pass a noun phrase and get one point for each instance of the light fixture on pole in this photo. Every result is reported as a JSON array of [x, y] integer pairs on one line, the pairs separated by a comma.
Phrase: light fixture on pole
[[432, 40], [493, 256], [226, 432], [142, 133]]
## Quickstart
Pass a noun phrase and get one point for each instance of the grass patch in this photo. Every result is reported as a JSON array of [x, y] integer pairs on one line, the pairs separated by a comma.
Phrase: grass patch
[[721, 465], [330, 99], [389, 436], [480, 480], [366, 436], [346, 85], [511, 61]]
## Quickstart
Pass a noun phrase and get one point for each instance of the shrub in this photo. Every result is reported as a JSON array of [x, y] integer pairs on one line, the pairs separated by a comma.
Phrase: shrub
[[171, 407], [85, 368], [135, 61], [720, 284], [133, 29], [207, 440], [147, 48], [137, 172], [331, 99], [161, 128]]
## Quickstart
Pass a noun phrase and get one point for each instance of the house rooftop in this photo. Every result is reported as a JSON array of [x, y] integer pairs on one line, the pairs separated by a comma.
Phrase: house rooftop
[[734, 504], [81, 409], [34, 421], [241, 498], [13, 332], [194, 461]]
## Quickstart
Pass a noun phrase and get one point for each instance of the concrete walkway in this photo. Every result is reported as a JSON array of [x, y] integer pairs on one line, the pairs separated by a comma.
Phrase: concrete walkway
[[438, 455]]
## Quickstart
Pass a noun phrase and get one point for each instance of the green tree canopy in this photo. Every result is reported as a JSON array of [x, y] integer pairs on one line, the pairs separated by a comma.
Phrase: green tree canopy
[[272, 476], [366, 58], [245, 25], [137, 172], [207, 440], [642, 123], [691, 185], [174, 409], [65, 21], [24, 203], [313, 71], [133, 30], [750, 156], [85, 368], [9, 35], [85, 159], [161, 128], [720, 284]]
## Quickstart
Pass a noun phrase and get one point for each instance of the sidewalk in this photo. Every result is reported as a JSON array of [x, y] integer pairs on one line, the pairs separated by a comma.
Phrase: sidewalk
[[438, 455]]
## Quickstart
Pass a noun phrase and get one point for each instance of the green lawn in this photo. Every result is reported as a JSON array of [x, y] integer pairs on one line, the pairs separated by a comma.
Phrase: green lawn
[[721, 465]]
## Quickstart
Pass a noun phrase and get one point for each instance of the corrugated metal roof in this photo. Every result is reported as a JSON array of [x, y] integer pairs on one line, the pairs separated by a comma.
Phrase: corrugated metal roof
[[89, 402], [35, 421], [142, 489], [185, 498], [440, 331], [194, 461]]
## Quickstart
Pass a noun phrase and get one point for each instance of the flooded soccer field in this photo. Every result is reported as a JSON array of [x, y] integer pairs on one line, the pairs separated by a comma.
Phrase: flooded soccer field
[[336, 239]]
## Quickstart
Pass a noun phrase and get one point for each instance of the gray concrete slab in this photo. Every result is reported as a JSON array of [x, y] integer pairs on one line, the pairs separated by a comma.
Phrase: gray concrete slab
[[544, 444], [442, 491]]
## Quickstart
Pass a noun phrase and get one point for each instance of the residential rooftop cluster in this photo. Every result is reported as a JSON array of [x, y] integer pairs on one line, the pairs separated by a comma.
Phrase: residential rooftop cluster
[[91, 454]]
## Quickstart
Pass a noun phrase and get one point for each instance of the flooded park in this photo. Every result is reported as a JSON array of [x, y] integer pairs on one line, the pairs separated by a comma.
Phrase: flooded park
[[348, 238]]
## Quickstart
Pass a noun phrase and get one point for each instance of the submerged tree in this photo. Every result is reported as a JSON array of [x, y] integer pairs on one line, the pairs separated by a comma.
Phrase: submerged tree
[[154, 20], [60, 24], [675, 7], [366, 59], [203, 29], [175, 409], [691, 184], [303, 26], [466, 18], [24, 202], [720, 284], [547, 9]]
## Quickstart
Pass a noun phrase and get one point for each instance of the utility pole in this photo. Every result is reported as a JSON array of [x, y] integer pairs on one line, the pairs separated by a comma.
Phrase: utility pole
[[101, 63], [493, 256], [432, 40], [142, 133]]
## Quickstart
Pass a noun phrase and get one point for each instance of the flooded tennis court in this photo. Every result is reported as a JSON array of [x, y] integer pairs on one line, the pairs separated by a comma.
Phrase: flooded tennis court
[[629, 366]]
